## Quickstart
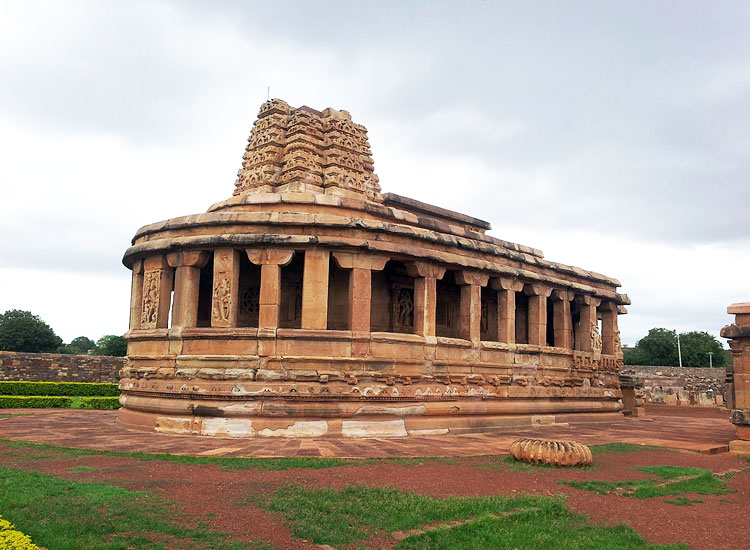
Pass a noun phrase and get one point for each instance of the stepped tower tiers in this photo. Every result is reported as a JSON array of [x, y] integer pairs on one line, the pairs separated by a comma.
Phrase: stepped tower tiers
[[310, 304]]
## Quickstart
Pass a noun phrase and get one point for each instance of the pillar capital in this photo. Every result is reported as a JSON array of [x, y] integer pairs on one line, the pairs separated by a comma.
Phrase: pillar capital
[[465, 277], [354, 260], [506, 283], [608, 305], [587, 300], [562, 295], [137, 266], [270, 256], [187, 259], [425, 269], [537, 290]]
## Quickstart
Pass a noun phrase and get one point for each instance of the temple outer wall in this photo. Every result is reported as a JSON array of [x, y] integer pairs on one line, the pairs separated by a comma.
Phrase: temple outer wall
[[53, 367], [681, 385]]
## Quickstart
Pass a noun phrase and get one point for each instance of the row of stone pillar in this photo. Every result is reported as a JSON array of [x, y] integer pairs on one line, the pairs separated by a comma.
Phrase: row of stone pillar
[[152, 285]]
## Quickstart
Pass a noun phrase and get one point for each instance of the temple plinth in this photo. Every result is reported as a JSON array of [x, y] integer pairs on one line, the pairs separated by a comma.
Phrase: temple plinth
[[312, 304], [738, 334]]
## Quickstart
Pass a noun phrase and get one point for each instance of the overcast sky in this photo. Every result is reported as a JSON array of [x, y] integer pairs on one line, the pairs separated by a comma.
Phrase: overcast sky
[[612, 135]]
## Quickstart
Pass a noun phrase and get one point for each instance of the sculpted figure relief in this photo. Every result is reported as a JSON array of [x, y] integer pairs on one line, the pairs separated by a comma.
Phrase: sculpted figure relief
[[150, 299], [222, 298], [596, 342]]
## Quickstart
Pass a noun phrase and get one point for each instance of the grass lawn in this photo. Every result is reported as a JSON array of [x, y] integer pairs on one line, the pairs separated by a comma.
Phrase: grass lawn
[[356, 513], [670, 481], [66, 515]]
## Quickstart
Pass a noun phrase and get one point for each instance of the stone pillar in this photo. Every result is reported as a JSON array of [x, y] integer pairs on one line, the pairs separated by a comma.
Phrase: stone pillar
[[157, 293], [538, 295], [738, 334], [270, 262], [360, 286], [587, 324], [226, 285], [471, 284], [315, 289], [136, 295], [562, 321], [610, 334], [187, 266], [506, 288], [425, 295]]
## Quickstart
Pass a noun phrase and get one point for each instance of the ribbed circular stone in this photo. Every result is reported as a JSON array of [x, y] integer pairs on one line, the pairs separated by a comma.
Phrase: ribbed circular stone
[[558, 453]]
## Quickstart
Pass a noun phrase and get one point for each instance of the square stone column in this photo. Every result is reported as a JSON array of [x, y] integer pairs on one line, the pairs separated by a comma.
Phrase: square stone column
[[470, 318], [587, 331], [562, 321], [738, 334], [157, 293], [538, 295], [425, 276], [270, 262], [360, 286], [136, 295], [187, 266], [506, 288], [610, 334], [315, 289], [226, 287]]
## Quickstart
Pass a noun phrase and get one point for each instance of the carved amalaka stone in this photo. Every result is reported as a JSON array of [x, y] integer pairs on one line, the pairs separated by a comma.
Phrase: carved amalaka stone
[[556, 453], [310, 304]]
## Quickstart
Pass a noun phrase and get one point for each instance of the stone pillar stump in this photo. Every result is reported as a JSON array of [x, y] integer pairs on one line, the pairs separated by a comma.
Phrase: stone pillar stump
[[738, 334]]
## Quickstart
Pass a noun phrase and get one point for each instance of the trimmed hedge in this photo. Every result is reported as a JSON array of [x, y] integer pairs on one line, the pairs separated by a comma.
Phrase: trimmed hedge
[[60, 388], [34, 402], [100, 403]]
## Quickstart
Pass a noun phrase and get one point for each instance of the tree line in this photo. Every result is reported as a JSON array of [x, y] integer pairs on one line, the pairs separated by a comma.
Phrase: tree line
[[659, 348], [25, 332]]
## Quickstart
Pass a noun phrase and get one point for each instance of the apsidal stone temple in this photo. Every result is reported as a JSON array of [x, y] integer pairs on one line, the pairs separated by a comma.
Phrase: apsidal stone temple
[[311, 304]]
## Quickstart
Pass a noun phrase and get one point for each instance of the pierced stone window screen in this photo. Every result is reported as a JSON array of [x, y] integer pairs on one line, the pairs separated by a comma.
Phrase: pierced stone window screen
[[443, 313], [290, 314], [205, 293], [248, 293]]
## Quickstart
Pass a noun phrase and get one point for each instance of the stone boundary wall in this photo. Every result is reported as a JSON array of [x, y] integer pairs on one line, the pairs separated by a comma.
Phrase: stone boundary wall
[[53, 367], [681, 385]]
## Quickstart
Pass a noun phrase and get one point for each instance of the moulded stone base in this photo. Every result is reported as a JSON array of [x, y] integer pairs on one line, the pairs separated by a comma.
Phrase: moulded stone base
[[340, 428], [740, 446]]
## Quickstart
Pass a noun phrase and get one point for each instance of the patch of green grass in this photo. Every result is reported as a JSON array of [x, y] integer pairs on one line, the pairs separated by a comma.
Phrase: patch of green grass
[[40, 451], [670, 481], [104, 517], [11, 415], [620, 448], [682, 501], [354, 514], [83, 469]]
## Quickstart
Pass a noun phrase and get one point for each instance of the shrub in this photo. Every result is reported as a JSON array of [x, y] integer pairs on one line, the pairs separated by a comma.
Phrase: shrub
[[108, 403], [60, 388], [34, 402], [11, 539]]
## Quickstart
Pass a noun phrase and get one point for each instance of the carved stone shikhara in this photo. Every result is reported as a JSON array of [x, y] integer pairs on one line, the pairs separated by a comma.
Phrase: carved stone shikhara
[[311, 304], [557, 453]]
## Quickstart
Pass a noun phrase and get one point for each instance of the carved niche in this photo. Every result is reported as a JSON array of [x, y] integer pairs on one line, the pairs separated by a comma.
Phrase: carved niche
[[150, 312]]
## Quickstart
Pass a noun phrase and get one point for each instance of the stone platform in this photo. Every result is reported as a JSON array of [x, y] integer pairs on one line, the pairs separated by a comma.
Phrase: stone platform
[[699, 429]]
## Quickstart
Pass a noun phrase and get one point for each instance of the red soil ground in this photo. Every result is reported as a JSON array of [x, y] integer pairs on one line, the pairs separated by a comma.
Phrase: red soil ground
[[201, 490]]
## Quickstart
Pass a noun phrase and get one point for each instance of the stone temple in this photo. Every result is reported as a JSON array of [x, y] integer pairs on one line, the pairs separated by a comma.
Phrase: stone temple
[[311, 304]]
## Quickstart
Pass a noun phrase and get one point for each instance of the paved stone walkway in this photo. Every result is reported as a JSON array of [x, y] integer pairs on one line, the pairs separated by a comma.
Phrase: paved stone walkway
[[699, 429]]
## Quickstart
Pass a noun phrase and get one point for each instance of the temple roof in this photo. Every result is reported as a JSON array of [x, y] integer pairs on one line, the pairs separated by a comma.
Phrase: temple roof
[[305, 150]]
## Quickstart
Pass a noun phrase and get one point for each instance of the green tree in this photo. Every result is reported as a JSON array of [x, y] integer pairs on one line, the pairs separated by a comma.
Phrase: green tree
[[696, 346], [78, 346], [24, 331], [111, 345], [659, 347]]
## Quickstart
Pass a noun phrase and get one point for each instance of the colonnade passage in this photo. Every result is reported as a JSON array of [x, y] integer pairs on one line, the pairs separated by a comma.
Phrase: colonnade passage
[[319, 289]]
